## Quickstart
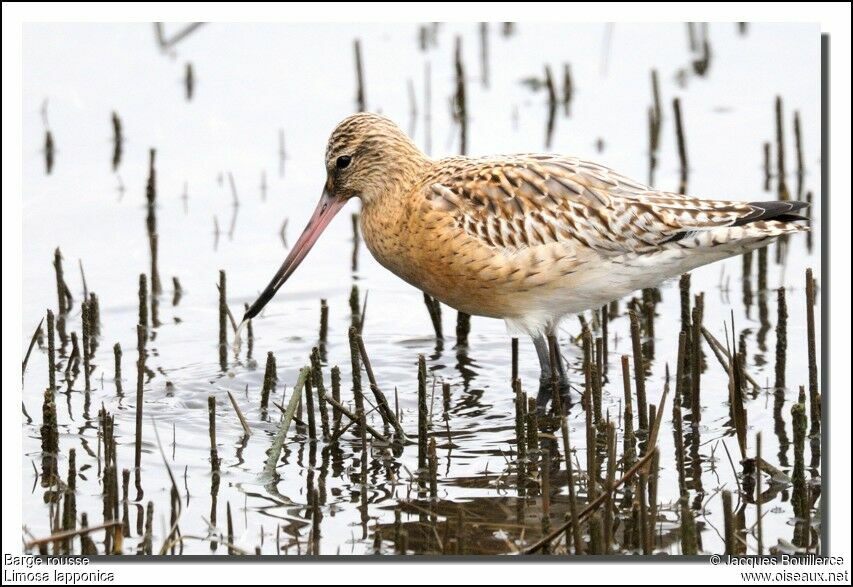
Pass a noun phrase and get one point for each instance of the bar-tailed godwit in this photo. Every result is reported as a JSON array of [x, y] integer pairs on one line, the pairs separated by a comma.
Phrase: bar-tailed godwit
[[527, 238]]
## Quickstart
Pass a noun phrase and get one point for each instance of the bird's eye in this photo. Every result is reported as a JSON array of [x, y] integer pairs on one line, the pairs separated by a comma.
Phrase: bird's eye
[[343, 161]]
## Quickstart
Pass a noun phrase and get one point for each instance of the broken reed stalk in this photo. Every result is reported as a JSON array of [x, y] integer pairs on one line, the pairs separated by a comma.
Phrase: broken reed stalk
[[246, 429], [355, 360], [684, 296], [87, 342], [83, 279], [359, 77], [800, 503], [37, 336], [423, 414], [94, 318], [189, 81], [798, 146], [117, 355], [552, 106], [433, 470], [118, 140], [211, 415], [84, 530], [658, 110], [682, 149], [51, 352], [148, 537], [573, 521], [336, 396], [514, 360], [434, 309], [250, 333], [607, 521], [596, 535], [759, 533], [384, 408], [689, 541], [768, 175], [230, 526], [642, 497], [629, 453], [695, 357], [317, 379], [49, 440], [653, 497], [356, 239], [551, 87], [591, 456], [678, 432], [324, 321], [484, 53], [728, 523], [151, 222], [223, 323], [650, 297], [739, 416], [782, 186], [545, 491], [73, 364], [568, 88], [49, 151], [270, 381], [814, 396], [461, 112], [309, 402], [281, 433], [781, 338], [655, 117], [532, 428], [141, 337], [143, 300], [69, 506], [639, 371], [63, 293], [520, 437]]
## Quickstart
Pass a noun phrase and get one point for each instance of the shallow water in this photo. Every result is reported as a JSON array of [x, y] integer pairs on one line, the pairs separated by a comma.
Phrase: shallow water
[[252, 81]]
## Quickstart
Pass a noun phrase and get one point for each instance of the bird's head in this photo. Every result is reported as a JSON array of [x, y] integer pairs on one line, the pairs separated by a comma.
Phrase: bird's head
[[367, 157]]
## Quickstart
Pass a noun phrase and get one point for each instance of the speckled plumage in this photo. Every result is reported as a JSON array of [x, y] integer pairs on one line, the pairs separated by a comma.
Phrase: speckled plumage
[[531, 238]]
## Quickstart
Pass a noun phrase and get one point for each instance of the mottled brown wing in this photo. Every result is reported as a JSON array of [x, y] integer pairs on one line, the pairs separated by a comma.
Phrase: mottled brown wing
[[530, 200]]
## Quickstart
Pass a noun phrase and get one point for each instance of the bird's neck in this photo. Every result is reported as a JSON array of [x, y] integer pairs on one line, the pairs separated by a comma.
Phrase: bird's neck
[[397, 172], [386, 218]]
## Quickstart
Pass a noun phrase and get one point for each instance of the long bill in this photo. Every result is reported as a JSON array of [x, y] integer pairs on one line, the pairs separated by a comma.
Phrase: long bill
[[327, 208]]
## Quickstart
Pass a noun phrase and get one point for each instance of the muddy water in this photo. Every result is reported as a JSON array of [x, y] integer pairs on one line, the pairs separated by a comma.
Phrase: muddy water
[[253, 82]]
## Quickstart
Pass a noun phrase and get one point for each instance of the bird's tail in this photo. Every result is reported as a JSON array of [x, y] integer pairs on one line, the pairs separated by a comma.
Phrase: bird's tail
[[765, 223]]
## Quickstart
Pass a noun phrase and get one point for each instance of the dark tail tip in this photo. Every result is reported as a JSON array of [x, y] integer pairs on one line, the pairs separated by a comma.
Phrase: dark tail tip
[[776, 210]]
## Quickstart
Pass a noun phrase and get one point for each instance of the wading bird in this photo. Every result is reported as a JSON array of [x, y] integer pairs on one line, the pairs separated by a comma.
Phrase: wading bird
[[526, 238]]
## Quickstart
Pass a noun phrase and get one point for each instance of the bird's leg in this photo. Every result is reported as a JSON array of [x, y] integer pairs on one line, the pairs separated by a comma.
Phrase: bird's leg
[[545, 373], [562, 376]]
